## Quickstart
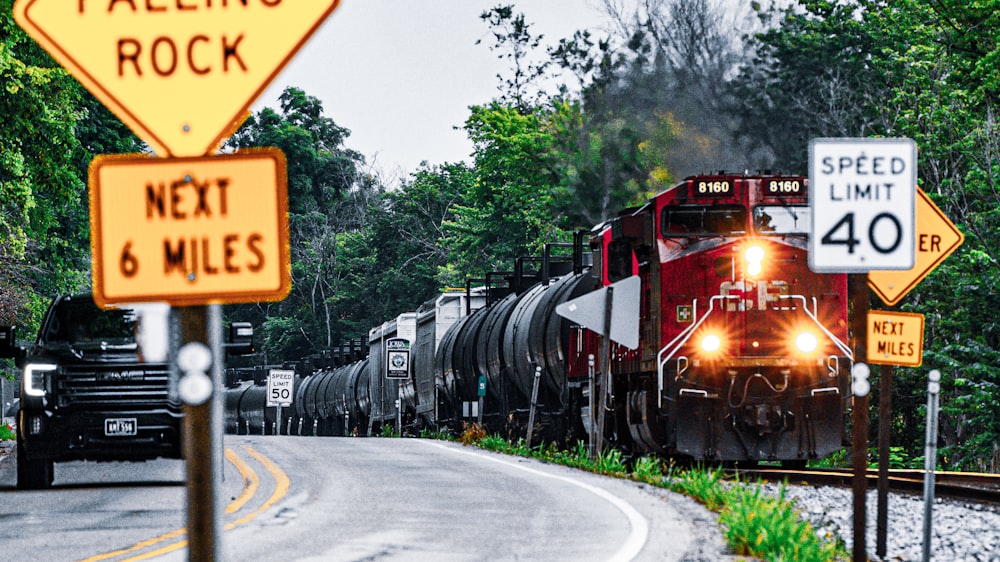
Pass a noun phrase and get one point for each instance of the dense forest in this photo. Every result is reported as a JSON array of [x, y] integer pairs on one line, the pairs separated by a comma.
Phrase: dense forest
[[677, 86]]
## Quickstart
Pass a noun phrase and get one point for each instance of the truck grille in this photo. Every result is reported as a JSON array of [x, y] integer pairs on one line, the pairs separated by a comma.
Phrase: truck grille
[[133, 386]]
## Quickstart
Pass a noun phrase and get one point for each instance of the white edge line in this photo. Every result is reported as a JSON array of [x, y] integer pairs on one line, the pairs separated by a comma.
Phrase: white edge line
[[640, 527]]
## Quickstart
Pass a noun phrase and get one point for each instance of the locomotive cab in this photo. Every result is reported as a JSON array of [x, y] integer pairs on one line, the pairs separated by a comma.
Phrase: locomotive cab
[[743, 355]]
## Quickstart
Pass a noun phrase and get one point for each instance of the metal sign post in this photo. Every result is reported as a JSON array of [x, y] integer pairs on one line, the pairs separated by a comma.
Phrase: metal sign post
[[200, 376], [884, 415], [930, 456], [859, 454], [613, 313]]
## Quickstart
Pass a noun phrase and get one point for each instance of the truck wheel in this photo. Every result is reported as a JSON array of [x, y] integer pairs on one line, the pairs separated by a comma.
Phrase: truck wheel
[[33, 474]]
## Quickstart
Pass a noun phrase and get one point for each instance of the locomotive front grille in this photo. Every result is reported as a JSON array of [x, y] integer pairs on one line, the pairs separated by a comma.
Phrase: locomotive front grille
[[117, 386]]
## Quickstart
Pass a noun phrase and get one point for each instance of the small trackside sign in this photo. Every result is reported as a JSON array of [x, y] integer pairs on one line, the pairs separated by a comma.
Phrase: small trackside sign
[[279, 387], [895, 338], [397, 358], [861, 198]]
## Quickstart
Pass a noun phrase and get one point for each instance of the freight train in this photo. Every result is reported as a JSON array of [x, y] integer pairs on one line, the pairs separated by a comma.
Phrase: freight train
[[741, 352]]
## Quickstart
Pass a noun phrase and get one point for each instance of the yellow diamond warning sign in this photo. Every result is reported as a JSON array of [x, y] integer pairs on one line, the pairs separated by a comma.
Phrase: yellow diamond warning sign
[[190, 231], [181, 74], [936, 239], [895, 338]]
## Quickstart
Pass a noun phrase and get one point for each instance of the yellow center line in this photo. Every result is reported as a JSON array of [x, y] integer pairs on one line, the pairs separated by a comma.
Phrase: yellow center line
[[139, 545], [251, 483], [281, 484]]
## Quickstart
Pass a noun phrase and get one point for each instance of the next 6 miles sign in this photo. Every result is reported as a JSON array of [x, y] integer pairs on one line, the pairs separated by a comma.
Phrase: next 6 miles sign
[[862, 201]]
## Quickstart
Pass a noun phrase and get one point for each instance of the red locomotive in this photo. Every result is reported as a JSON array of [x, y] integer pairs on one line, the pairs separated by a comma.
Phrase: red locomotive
[[742, 351]]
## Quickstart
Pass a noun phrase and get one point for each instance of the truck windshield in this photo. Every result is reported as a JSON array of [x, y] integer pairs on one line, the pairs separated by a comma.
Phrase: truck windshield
[[80, 321]]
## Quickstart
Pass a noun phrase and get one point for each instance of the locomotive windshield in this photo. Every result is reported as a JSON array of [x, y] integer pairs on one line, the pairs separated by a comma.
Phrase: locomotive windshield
[[781, 219], [721, 220]]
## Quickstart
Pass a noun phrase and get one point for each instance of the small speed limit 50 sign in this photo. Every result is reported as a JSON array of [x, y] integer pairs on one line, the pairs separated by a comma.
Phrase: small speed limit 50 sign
[[862, 194], [280, 387]]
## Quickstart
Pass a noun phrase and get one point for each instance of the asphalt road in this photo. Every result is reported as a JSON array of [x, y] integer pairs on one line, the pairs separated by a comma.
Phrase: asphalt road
[[329, 499]]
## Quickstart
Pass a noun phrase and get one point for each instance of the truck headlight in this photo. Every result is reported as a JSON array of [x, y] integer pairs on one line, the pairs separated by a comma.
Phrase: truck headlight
[[34, 378]]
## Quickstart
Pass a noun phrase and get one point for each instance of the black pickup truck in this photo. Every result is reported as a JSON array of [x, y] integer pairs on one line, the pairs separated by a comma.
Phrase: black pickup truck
[[88, 394]]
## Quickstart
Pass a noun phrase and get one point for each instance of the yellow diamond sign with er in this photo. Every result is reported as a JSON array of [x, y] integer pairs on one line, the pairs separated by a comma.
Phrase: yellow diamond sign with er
[[936, 239], [182, 74]]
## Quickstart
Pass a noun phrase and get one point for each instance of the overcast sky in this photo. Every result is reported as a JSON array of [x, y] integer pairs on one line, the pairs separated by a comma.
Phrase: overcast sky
[[401, 74]]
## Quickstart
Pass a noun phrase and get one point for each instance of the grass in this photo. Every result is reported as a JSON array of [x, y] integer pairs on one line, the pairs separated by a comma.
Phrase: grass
[[754, 523]]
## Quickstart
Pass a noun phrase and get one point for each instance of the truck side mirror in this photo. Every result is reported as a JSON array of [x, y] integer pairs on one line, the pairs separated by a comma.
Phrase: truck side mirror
[[8, 344], [240, 339]]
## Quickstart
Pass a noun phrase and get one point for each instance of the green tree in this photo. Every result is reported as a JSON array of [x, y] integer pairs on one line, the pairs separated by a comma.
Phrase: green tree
[[416, 220], [511, 208], [50, 129], [821, 72], [948, 100], [326, 196], [37, 114], [392, 265]]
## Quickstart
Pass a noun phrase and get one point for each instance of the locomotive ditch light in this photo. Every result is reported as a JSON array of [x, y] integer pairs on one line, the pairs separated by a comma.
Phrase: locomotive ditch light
[[806, 342], [754, 256], [711, 343]]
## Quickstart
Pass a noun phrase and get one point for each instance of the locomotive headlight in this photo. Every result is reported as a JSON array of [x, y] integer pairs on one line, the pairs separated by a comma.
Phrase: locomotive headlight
[[754, 256], [711, 343], [34, 378], [806, 342]]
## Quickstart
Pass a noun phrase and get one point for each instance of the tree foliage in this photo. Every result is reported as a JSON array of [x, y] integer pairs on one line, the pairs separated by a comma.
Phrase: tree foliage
[[50, 129], [327, 196]]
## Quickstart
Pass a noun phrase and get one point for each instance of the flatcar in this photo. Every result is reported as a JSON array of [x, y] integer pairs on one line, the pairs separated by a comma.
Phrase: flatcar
[[741, 353]]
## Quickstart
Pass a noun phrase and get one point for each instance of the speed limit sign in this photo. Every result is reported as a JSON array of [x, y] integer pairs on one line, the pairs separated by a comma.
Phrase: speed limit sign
[[279, 387], [862, 194]]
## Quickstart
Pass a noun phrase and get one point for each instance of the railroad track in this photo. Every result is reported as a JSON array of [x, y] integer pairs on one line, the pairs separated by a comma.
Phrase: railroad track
[[959, 485]]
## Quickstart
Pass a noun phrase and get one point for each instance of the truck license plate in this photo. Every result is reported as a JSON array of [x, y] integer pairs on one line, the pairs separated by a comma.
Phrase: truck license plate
[[119, 427]]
